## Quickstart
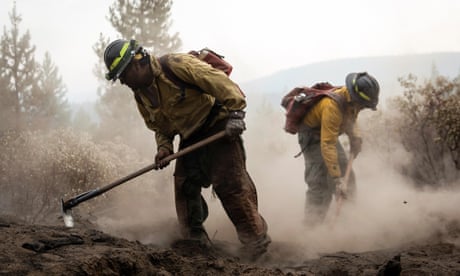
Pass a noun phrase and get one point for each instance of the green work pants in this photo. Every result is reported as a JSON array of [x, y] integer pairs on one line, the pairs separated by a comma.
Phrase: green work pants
[[321, 187]]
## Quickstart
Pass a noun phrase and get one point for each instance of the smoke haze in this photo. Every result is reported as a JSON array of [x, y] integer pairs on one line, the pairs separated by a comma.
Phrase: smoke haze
[[387, 211]]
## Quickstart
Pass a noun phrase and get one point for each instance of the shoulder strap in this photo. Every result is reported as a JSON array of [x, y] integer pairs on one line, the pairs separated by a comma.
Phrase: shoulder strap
[[174, 78], [339, 99], [138, 98]]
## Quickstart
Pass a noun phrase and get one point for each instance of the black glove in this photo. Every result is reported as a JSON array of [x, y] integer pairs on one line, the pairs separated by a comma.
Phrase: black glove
[[160, 163], [235, 124], [355, 145]]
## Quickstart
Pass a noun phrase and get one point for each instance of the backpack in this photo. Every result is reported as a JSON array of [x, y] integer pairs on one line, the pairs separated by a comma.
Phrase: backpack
[[301, 99], [206, 55], [217, 61]]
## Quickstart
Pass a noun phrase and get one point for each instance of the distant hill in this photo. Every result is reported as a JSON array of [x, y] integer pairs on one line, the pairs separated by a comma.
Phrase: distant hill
[[387, 69]]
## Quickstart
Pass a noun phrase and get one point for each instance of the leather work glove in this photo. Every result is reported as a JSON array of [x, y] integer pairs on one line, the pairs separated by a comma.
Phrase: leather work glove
[[355, 145], [159, 158], [235, 124], [340, 187]]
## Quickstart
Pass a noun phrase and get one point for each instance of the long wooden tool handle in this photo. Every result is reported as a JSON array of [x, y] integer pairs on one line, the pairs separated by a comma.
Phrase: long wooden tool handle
[[340, 197], [195, 146], [348, 170], [93, 193]]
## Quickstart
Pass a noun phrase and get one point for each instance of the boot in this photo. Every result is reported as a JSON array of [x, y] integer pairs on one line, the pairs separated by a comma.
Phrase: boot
[[253, 251], [200, 235]]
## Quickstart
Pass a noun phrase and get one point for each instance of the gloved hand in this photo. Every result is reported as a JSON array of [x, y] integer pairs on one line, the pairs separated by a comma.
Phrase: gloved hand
[[355, 145], [159, 158], [235, 124], [340, 187]]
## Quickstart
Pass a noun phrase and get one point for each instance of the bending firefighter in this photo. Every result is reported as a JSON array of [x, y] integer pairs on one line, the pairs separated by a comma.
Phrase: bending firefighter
[[324, 156], [209, 102]]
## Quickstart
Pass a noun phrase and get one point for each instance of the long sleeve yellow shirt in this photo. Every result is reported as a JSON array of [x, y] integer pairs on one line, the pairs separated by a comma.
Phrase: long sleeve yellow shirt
[[327, 117]]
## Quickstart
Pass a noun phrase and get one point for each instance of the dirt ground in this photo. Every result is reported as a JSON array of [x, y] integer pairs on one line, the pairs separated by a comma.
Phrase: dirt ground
[[83, 250]]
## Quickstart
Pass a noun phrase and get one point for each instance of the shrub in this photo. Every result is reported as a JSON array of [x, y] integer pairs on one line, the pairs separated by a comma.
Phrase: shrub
[[430, 128], [39, 168]]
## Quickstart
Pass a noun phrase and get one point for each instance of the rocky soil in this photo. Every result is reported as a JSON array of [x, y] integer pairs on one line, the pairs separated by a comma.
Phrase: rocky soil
[[55, 250]]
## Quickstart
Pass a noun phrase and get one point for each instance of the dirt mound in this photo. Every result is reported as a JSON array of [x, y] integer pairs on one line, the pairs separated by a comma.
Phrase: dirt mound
[[55, 250]]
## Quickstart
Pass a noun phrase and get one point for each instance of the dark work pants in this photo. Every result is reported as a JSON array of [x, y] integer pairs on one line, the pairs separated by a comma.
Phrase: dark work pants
[[222, 164]]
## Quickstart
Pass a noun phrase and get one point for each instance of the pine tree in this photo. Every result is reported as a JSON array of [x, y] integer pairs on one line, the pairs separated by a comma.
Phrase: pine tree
[[6, 97], [18, 74], [33, 94], [147, 22], [48, 107]]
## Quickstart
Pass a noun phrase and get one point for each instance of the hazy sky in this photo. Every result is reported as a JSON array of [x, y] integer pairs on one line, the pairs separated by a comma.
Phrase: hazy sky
[[258, 37]]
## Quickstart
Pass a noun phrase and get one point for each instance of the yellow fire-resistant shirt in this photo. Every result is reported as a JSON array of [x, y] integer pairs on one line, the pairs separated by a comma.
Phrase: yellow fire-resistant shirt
[[184, 113], [327, 116]]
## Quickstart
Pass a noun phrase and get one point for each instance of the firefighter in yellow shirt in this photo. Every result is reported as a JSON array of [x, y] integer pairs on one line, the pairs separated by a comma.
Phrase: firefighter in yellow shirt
[[325, 158], [212, 103]]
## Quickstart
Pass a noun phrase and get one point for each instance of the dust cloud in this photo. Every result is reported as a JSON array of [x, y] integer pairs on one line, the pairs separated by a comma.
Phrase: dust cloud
[[387, 211]]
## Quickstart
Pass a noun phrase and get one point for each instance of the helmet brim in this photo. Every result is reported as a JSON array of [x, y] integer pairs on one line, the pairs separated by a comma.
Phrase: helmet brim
[[122, 69]]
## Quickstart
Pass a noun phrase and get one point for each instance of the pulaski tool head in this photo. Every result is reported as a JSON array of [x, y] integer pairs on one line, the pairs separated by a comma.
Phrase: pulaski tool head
[[67, 215]]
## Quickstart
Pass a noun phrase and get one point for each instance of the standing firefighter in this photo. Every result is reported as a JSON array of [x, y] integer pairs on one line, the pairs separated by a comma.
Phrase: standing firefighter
[[209, 102], [318, 133]]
